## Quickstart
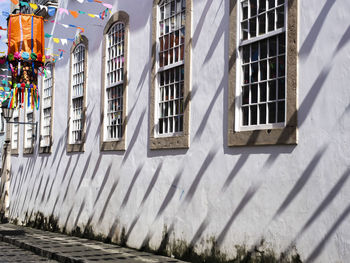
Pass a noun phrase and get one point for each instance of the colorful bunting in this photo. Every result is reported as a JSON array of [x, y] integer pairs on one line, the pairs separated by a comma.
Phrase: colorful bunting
[[34, 6]]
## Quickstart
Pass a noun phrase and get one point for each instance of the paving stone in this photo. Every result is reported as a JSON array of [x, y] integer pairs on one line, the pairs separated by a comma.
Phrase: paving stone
[[11, 253], [64, 248]]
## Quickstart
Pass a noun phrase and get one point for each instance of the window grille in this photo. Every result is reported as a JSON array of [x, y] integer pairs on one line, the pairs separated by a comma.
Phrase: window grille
[[15, 127], [115, 81], [262, 46], [77, 94], [170, 93], [28, 137], [47, 107]]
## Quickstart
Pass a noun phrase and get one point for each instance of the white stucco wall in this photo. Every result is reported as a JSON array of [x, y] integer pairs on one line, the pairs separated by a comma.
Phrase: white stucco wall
[[286, 195]]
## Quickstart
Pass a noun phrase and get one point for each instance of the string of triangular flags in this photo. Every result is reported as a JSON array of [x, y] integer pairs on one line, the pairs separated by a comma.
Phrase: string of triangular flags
[[52, 10]]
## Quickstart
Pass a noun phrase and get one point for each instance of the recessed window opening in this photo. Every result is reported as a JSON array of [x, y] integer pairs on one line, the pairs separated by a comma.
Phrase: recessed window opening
[[262, 65], [77, 94], [171, 45], [115, 82]]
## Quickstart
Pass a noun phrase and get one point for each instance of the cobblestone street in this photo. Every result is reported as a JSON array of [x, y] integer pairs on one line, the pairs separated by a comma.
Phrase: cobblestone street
[[65, 248], [10, 253]]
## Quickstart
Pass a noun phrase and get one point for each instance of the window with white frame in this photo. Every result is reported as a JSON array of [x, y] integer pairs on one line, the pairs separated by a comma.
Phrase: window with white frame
[[46, 107], [28, 129], [115, 82], [15, 131], [77, 94], [261, 87], [170, 89]]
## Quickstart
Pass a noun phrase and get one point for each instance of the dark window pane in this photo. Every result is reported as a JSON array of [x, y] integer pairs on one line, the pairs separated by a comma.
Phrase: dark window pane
[[281, 111], [254, 93], [262, 6], [271, 4], [253, 7], [245, 30], [181, 123], [245, 95], [272, 112], [280, 17], [263, 70], [262, 24], [272, 90], [281, 89], [272, 47], [255, 51], [280, 2], [263, 49], [272, 63], [254, 75], [281, 66], [245, 116], [245, 9], [262, 112], [262, 91], [253, 114], [271, 18], [246, 54], [246, 74], [252, 27], [160, 126], [282, 44]]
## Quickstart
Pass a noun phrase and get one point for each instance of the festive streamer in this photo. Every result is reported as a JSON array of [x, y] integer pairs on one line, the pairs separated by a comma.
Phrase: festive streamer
[[68, 25]]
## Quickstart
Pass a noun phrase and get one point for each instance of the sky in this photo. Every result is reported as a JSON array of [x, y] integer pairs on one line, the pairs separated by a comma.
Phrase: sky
[[4, 6]]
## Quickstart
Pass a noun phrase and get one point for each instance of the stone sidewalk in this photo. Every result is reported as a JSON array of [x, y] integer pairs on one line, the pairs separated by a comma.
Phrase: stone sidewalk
[[65, 248]]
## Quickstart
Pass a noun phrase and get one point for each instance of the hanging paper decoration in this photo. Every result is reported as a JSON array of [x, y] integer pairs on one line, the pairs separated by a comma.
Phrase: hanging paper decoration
[[26, 45]]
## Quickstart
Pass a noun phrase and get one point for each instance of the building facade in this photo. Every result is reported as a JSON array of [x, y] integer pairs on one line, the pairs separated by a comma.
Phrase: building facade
[[182, 126]]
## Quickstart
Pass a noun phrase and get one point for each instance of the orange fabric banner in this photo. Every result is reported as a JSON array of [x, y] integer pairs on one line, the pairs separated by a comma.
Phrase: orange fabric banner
[[15, 26], [15, 2]]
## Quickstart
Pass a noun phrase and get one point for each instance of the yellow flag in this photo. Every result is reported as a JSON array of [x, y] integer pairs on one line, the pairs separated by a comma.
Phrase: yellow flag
[[92, 15], [56, 40], [34, 6]]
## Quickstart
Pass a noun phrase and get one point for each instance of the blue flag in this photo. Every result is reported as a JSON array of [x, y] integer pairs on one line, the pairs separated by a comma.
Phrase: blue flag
[[51, 11]]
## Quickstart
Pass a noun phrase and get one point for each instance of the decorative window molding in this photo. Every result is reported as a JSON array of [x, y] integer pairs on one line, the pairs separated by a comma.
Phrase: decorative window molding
[[46, 109], [171, 74], [28, 139], [77, 95], [262, 72], [15, 133], [114, 83]]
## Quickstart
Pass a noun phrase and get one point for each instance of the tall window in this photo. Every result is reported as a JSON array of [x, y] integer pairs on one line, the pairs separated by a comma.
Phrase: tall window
[[28, 130], [171, 66], [266, 48], [113, 107], [263, 64], [15, 133], [46, 108], [77, 95], [170, 88], [115, 79]]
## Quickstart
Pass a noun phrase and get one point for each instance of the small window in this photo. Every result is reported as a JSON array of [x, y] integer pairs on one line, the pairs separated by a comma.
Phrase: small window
[[76, 131]]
